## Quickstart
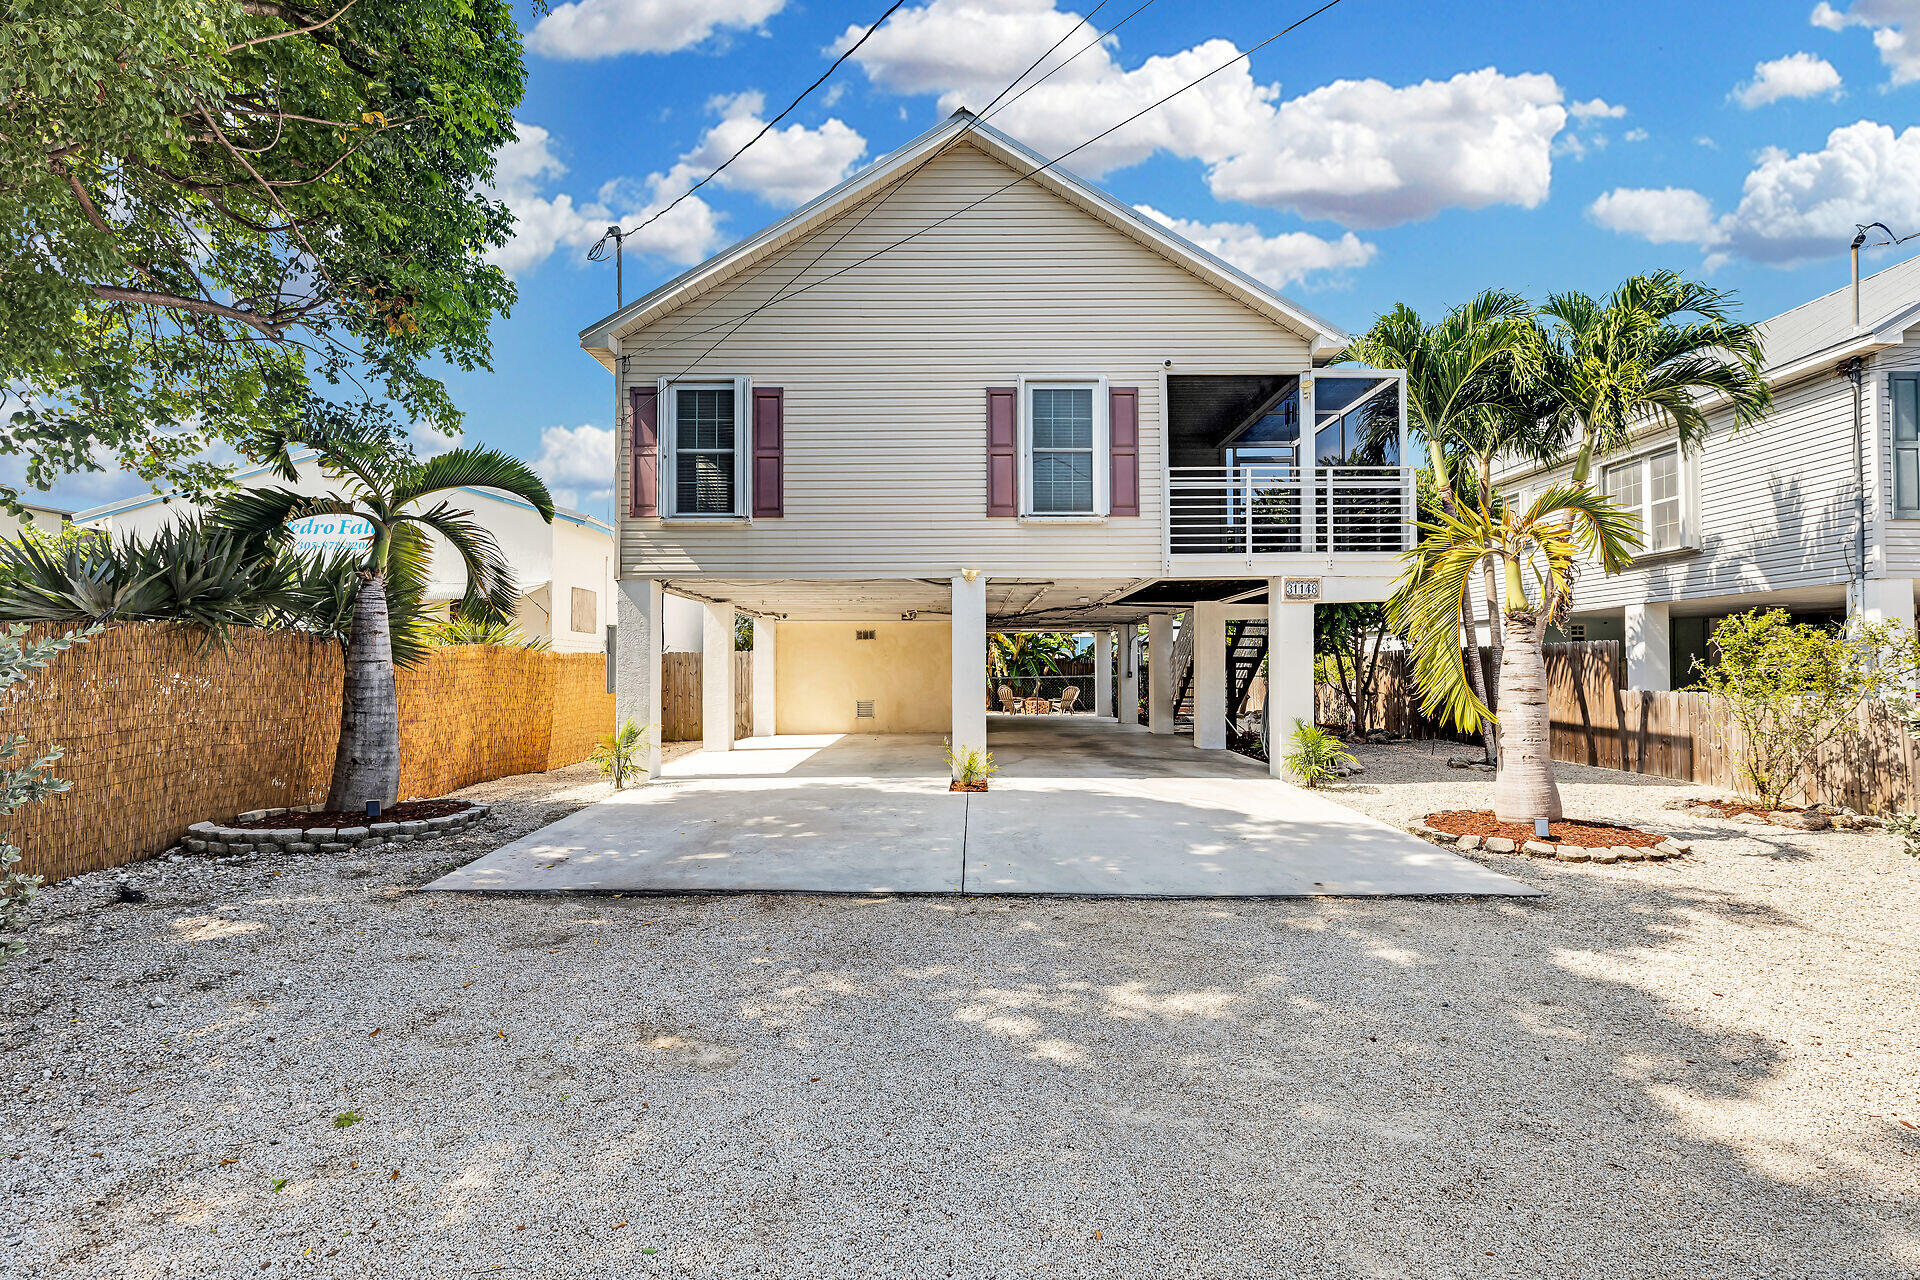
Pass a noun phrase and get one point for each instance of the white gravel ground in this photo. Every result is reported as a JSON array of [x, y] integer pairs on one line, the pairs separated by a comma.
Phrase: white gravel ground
[[1701, 1068]]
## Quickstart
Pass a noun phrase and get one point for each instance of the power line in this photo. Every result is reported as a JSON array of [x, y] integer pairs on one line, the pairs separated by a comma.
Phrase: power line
[[617, 234], [901, 183], [1038, 169]]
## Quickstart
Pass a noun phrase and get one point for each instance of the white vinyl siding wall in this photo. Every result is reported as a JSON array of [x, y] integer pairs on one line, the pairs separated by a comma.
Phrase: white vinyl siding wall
[[1899, 537], [885, 371], [1774, 504]]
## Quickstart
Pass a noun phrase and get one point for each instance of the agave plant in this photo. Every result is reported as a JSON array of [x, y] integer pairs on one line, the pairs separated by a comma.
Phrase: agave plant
[[390, 490]]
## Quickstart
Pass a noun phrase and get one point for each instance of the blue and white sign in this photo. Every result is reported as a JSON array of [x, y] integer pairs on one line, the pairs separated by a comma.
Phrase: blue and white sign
[[326, 534]]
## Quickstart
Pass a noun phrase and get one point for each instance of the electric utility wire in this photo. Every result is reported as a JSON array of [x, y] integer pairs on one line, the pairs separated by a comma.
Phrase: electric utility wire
[[733, 327], [764, 129], [1041, 168]]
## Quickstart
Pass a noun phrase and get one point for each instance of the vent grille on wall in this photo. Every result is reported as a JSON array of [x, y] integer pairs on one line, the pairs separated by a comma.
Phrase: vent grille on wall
[[1577, 631], [863, 711], [863, 635]]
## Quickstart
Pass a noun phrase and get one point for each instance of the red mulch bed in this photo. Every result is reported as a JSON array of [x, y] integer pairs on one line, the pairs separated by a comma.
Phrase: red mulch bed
[[1581, 835], [966, 786], [406, 811], [1728, 808]]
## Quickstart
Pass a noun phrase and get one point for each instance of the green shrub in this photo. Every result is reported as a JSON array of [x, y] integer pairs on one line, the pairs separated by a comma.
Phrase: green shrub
[[1313, 755], [970, 767], [618, 754]]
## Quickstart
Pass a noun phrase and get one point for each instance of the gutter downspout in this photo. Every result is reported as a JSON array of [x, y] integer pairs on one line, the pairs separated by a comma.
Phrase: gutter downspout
[[1854, 371]]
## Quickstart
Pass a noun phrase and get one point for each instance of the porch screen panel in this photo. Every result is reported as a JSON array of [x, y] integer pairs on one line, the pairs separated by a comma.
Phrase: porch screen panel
[[704, 445], [1062, 450]]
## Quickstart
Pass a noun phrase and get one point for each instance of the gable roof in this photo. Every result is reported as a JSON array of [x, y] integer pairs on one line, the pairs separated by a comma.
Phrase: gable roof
[[1889, 305], [1324, 338]]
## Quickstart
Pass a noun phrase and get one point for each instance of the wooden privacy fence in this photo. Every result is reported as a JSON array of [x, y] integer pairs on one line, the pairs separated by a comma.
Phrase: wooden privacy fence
[[162, 730], [680, 699], [1690, 737]]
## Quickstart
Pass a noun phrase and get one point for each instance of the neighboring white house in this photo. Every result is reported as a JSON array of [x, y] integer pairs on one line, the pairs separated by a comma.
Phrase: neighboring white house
[[564, 571], [44, 518], [1815, 509], [988, 398]]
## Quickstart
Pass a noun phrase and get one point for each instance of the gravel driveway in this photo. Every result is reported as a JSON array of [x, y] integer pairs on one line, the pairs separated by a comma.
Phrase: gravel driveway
[[1700, 1068]]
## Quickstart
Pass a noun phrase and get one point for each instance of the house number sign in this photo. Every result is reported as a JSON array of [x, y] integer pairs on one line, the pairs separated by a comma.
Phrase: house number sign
[[1300, 589]]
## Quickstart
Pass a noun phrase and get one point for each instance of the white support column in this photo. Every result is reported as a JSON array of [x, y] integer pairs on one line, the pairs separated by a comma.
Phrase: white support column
[[1289, 672], [1209, 623], [969, 664], [1103, 674], [1649, 647], [1159, 673], [1129, 710], [1888, 600], [640, 614], [716, 678], [764, 723]]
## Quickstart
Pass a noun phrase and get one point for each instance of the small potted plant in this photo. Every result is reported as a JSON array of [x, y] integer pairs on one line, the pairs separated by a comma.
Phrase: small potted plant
[[970, 768]]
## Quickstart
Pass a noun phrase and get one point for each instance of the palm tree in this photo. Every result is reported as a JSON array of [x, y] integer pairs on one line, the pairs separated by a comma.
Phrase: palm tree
[[1661, 348], [1534, 552], [387, 489], [1462, 373]]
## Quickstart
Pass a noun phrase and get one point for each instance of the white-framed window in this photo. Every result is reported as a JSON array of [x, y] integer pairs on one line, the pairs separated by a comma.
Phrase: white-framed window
[[1063, 440], [1653, 487], [703, 448]]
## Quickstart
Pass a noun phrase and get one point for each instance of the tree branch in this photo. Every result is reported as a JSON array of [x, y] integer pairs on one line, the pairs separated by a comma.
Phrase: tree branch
[[149, 298], [285, 15]]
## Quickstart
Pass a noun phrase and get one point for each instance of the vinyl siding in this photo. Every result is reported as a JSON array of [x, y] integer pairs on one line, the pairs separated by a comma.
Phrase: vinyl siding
[[885, 370], [1899, 539], [1774, 506]]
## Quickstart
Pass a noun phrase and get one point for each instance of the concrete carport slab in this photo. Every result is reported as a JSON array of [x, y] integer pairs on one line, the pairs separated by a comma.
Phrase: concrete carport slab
[[1081, 807]]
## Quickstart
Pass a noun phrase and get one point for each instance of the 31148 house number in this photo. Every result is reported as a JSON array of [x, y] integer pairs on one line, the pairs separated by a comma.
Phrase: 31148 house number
[[1300, 589]]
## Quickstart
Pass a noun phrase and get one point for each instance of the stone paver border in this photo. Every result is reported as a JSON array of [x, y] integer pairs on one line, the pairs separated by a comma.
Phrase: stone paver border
[[1668, 848], [211, 837]]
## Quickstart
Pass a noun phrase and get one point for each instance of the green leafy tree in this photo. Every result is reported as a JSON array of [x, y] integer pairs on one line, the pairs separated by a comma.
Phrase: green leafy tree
[[1535, 551], [1462, 374], [1793, 688], [222, 220], [1347, 640], [24, 779], [1660, 350], [389, 488]]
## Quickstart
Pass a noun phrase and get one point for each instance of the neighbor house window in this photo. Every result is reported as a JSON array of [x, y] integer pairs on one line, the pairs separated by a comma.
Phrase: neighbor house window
[[1066, 441], [1906, 443], [1650, 487], [586, 608], [702, 437]]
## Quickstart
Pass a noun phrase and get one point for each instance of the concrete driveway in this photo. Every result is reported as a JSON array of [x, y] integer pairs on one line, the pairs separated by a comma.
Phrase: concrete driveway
[[1081, 807]]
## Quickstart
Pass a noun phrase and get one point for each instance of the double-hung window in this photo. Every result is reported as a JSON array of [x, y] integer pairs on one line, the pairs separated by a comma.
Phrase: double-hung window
[[1066, 447], [703, 441], [1906, 444], [1652, 487]]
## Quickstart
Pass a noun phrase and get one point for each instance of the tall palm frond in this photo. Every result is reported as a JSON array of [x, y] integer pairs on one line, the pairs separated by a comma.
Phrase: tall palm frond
[[473, 467]]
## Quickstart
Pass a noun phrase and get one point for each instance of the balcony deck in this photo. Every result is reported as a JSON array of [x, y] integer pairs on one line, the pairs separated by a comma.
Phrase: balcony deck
[[1278, 516]]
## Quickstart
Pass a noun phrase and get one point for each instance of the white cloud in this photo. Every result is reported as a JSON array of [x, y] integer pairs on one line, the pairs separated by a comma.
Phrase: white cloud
[[604, 28], [1278, 260], [543, 223], [787, 167], [1370, 155], [1798, 75], [1793, 208], [1893, 23], [577, 464], [1361, 151], [1668, 215], [1634, 135], [1596, 109]]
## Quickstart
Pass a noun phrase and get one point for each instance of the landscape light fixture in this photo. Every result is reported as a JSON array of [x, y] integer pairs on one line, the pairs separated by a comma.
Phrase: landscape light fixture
[[1540, 828]]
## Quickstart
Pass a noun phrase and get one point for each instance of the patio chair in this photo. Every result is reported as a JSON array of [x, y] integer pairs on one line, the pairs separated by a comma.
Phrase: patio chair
[[1068, 696], [1007, 701]]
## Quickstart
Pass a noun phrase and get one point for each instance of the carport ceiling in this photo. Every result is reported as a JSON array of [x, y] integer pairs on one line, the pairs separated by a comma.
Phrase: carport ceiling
[[1025, 603]]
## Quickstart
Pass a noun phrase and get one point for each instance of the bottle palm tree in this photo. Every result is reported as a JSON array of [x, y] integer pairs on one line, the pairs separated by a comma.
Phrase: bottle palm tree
[[1660, 349], [1534, 552], [1462, 374], [387, 489]]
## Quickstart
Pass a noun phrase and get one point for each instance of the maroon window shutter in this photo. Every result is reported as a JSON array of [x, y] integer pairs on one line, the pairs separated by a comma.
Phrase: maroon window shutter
[[1003, 452], [769, 410], [1123, 441], [644, 501]]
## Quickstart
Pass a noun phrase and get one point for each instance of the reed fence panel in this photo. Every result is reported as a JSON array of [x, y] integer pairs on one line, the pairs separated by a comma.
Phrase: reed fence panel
[[162, 729]]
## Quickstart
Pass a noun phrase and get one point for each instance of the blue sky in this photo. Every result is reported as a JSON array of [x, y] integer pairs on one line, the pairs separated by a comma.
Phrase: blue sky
[[1384, 152]]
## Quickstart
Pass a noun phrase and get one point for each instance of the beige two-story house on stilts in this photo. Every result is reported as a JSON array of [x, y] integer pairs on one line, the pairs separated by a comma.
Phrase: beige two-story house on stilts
[[963, 393]]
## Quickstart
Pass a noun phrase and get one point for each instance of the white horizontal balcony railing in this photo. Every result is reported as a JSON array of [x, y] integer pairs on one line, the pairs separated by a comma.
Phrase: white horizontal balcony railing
[[1275, 509]]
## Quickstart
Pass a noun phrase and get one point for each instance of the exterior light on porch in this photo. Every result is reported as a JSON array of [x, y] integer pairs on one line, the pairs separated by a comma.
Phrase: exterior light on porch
[[971, 575]]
